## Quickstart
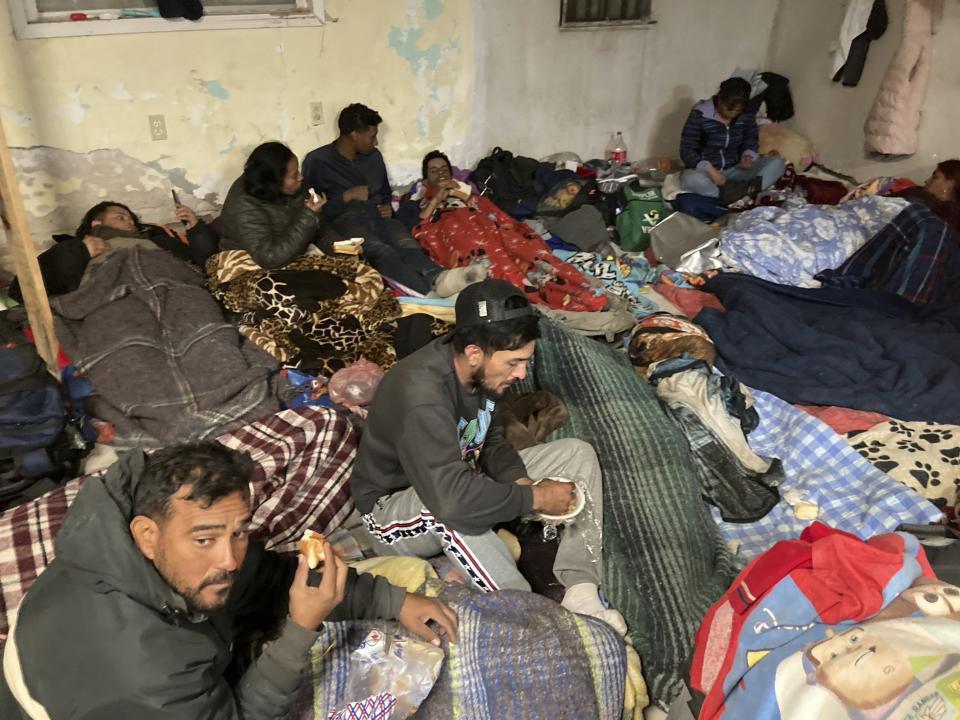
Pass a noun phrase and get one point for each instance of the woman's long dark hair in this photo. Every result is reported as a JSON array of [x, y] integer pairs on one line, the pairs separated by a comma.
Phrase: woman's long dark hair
[[951, 171], [97, 212], [264, 170]]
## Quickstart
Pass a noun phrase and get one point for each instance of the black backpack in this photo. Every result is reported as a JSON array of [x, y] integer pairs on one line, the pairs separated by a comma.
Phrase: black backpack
[[506, 179], [31, 417]]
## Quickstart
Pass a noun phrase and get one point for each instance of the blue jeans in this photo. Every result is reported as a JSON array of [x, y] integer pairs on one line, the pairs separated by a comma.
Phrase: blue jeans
[[770, 168], [389, 248]]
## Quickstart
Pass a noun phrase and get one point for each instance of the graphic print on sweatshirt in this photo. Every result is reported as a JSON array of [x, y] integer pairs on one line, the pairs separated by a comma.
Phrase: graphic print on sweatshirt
[[473, 434]]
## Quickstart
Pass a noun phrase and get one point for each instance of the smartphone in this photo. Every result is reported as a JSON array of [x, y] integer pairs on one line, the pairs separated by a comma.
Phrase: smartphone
[[176, 200]]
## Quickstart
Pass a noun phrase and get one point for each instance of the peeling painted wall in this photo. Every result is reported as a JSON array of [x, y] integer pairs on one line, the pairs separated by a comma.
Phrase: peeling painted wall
[[76, 109]]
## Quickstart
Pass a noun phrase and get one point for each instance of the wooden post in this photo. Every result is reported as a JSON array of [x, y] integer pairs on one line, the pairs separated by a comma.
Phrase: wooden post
[[25, 259]]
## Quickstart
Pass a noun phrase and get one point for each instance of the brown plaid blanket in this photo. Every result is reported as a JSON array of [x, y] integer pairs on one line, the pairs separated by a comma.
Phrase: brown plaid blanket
[[303, 460]]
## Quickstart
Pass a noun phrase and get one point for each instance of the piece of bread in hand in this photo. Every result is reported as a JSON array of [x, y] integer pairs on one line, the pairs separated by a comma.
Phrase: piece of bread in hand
[[353, 246], [311, 547], [462, 191]]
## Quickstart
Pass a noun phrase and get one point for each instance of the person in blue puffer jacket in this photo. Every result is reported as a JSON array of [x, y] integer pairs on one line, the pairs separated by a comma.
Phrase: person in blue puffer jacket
[[720, 142]]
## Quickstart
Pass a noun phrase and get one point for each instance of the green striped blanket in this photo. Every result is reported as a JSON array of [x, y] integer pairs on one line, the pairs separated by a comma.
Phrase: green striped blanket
[[664, 560]]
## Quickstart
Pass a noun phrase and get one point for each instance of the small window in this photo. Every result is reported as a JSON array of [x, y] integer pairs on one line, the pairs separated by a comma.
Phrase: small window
[[586, 14], [51, 18]]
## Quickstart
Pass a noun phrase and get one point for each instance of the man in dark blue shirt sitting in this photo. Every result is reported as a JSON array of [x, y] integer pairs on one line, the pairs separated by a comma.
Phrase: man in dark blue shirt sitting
[[350, 171]]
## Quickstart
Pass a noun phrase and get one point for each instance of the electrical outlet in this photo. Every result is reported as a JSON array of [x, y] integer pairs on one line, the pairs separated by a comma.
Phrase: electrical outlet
[[158, 127], [316, 113]]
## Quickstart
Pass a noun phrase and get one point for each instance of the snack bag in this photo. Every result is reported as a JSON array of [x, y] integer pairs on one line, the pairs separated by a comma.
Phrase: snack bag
[[390, 675]]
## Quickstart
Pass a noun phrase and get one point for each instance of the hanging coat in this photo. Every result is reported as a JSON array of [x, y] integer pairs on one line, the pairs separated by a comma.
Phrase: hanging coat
[[892, 127]]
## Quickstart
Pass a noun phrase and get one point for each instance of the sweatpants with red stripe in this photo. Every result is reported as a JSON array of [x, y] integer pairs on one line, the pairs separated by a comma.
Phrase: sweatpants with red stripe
[[402, 525]]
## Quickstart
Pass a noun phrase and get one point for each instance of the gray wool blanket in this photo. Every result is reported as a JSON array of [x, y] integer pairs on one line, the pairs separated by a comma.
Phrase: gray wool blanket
[[665, 562], [165, 366]]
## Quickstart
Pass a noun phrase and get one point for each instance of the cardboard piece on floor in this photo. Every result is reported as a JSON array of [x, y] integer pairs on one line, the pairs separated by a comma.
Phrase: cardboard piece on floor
[[24, 255]]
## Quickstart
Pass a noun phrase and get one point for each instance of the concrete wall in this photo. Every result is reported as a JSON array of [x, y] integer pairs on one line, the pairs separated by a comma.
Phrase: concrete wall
[[832, 116], [547, 90]]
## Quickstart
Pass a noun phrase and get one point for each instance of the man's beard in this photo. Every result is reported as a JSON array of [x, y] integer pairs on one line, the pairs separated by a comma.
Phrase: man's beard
[[191, 596], [478, 383]]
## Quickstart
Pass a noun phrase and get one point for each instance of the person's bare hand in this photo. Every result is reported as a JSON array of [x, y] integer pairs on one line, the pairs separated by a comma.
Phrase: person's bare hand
[[418, 610], [386, 212], [448, 184], [746, 161], [719, 179], [357, 192], [95, 245], [315, 205], [552, 497], [310, 606], [187, 216], [523, 481]]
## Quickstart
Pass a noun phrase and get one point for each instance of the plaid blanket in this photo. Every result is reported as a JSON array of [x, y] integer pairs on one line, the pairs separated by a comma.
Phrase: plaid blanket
[[303, 459], [549, 664], [164, 365], [916, 256], [824, 475], [664, 559]]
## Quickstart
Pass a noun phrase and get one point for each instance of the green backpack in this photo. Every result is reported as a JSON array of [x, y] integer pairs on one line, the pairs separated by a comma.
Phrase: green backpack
[[643, 209]]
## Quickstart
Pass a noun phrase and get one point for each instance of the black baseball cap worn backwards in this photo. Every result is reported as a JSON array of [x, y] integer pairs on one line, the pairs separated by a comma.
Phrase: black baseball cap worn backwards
[[485, 302]]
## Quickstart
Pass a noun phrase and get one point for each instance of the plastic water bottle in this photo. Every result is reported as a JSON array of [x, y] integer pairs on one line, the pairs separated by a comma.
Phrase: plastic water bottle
[[617, 149]]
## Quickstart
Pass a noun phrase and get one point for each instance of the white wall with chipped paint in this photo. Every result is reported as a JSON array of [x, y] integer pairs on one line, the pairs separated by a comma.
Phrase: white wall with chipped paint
[[76, 108], [548, 90]]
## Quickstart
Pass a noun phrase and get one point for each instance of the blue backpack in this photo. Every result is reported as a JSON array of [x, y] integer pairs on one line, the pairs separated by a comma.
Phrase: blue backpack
[[31, 413]]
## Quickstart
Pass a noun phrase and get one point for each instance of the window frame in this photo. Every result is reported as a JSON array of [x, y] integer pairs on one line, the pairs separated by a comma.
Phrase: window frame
[[27, 24], [602, 24]]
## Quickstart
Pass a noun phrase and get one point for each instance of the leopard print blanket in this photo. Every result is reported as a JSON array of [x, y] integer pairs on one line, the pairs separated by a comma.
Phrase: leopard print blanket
[[323, 335]]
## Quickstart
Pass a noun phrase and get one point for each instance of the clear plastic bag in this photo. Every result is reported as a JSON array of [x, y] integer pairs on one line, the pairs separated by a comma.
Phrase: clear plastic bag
[[354, 385], [390, 675]]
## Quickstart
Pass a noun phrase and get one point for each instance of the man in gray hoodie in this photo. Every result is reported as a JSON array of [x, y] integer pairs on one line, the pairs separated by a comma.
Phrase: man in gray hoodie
[[434, 472], [155, 585]]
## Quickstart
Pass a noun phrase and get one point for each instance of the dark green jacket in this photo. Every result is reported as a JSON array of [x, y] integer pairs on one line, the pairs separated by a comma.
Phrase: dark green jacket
[[101, 635], [274, 233]]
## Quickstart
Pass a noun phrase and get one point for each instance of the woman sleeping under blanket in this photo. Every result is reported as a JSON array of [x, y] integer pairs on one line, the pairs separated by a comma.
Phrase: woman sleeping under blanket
[[62, 266]]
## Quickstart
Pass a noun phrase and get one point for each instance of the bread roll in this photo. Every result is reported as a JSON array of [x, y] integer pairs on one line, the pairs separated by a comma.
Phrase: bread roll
[[311, 547], [462, 190], [353, 246]]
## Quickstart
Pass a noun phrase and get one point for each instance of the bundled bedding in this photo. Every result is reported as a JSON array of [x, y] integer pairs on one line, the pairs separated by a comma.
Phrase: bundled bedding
[[916, 256], [852, 348], [476, 230], [831, 627], [663, 557], [165, 366], [790, 246], [318, 312]]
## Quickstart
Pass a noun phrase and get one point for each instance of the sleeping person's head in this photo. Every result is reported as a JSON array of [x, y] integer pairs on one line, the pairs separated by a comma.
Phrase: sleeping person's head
[[944, 183], [271, 172], [108, 215]]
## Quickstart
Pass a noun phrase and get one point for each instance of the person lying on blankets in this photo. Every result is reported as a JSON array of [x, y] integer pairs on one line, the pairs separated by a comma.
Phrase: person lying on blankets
[[434, 472], [62, 266], [352, 174], [720, 141], [940, 193], [157, 587], [270, 213]]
